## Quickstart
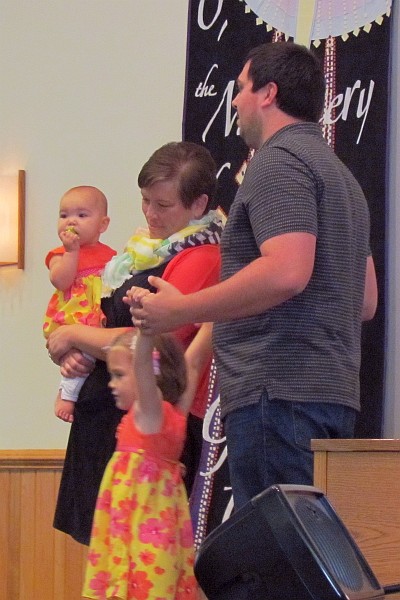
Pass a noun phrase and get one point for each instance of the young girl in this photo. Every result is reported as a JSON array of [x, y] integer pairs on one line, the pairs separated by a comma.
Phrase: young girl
[[141, 545], [75, 271]]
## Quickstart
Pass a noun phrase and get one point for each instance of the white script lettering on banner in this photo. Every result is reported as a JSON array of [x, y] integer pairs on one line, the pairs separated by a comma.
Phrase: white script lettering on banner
[[200, 17], [345, 101], [203, 89], [208, 437], [226, 103]]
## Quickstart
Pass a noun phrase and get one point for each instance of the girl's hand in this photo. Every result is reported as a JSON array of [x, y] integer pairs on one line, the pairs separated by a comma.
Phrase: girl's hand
[[159, 312], [74, 364], [134, 296]]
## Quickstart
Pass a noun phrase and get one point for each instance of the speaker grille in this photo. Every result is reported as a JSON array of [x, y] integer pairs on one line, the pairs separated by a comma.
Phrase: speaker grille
[[333, 545]]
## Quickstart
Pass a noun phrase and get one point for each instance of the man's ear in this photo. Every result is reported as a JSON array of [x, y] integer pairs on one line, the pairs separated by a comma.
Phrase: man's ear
[[269, 93], [199, 206]]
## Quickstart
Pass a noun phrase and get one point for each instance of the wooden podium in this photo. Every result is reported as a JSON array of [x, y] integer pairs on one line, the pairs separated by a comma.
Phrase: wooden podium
[[361, 479]]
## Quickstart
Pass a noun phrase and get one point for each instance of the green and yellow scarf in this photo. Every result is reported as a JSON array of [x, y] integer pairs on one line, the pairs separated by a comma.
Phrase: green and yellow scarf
[[142, 253]]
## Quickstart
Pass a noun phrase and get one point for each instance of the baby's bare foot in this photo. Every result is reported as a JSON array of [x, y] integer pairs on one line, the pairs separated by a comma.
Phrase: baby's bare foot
[[64, 409]]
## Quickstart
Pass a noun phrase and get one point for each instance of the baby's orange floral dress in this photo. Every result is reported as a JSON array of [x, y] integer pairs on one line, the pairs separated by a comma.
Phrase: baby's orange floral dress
[[81, 302], [142, 544]]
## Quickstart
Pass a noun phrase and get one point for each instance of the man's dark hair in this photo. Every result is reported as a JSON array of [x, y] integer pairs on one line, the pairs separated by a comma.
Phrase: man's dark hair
[[298, 74]]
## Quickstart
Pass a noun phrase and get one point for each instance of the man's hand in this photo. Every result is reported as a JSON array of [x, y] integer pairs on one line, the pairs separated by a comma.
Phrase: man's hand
[[158, 313]]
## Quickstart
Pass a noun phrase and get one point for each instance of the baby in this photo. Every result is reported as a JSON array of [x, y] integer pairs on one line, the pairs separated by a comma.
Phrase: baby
[[75, 271]]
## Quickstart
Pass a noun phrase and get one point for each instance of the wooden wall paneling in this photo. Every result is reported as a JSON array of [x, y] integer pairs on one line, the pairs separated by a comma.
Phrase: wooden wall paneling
[[74, 566], [36, 561], [59, 551], [14, 540], [44, 535], [25, 522], [5, 591]]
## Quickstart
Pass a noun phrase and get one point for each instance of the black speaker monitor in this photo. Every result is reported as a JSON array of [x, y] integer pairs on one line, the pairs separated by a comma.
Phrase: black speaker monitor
[[287, 543]]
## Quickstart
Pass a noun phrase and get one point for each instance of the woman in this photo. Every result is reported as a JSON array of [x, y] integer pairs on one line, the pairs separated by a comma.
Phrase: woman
[[181, 245]]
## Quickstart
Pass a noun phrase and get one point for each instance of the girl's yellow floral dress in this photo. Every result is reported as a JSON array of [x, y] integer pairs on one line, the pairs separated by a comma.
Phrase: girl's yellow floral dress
[[141, 546]]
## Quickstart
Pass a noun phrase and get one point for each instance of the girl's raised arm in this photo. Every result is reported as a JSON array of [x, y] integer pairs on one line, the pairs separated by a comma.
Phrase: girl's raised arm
[[148, 405]]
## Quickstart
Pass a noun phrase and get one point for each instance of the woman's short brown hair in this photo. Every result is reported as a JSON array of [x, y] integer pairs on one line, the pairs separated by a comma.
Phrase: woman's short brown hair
[[190, 164]]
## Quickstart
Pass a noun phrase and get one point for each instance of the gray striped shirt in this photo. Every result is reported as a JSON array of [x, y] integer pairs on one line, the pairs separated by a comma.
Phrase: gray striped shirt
[[307, 348]]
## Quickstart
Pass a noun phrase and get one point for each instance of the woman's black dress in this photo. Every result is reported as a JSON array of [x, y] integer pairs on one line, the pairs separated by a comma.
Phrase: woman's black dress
[[92, 436]]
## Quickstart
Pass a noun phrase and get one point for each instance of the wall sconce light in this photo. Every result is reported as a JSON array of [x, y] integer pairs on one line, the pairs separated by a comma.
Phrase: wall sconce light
[[12, 220]]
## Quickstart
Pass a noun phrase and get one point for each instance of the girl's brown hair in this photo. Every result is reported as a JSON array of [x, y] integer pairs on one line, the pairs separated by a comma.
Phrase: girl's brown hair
[[169, 363]]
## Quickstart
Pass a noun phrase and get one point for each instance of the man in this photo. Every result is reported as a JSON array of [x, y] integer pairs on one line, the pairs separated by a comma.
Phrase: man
[[297, 281]]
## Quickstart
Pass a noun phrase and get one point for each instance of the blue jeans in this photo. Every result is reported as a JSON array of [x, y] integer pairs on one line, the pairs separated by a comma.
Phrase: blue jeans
[[269, 442]]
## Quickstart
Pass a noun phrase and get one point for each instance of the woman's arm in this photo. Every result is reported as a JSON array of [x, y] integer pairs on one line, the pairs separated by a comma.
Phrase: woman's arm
[[75, 364], [190, 271], [370, 302], [91, 340], [196, 356], [194, 268]]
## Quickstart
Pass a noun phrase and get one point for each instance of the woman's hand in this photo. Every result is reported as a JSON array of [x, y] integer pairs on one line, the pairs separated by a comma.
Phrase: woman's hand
[[74, 364], [59, 343], [90, 340]]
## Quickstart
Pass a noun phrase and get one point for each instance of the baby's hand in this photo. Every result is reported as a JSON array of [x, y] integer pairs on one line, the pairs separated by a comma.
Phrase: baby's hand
[[70, 239]]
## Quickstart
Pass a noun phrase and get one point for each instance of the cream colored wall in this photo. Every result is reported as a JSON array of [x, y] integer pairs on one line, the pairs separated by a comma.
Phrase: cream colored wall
[[89, 88]]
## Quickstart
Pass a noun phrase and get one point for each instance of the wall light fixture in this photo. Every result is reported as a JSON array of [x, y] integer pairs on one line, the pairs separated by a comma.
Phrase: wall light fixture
[[12, 220]]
